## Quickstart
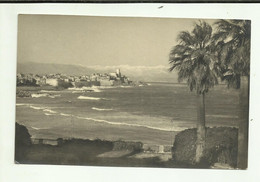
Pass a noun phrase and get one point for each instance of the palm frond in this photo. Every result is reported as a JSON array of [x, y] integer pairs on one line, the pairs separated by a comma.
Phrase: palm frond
[[194, 57], [185, 38], [233, 42]]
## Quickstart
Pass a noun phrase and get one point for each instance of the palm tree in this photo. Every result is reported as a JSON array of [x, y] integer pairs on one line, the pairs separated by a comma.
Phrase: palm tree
[[193, 58], [232, 40]]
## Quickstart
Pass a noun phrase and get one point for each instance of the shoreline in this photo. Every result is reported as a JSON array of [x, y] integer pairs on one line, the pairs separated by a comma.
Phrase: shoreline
[[117, 153], [86, 152]]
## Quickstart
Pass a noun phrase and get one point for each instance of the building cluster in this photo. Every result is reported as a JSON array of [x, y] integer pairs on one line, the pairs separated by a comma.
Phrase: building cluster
[[96, 79]]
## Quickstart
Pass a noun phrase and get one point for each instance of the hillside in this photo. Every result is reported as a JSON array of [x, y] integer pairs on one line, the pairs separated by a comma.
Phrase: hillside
[[47, 68]]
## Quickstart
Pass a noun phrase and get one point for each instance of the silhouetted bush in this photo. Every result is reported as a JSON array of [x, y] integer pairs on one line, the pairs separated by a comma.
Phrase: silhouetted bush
[[221, 146], [22, 141], [122, 145]]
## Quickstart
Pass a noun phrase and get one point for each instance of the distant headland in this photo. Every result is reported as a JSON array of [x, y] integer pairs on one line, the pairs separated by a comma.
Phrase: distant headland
[[63, 80]]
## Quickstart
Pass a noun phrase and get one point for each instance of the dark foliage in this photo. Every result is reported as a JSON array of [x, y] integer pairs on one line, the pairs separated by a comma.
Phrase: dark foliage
[[22, 141], [232, 44], [122, 145], [194, 58], [221, 146]]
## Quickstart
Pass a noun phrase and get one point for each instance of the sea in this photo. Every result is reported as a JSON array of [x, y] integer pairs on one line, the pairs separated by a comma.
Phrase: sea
[[151, 114]]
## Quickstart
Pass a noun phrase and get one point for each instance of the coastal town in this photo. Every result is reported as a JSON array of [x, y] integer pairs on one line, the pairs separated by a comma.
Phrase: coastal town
[[63, 80]]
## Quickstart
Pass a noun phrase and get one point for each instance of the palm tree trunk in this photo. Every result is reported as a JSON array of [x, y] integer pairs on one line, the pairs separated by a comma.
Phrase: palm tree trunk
[[201, 129], [243, 123]]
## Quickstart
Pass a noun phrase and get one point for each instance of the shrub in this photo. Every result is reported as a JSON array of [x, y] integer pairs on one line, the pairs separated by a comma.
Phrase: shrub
[[22, 136], [220, 146], [132, 146], [22, 141]]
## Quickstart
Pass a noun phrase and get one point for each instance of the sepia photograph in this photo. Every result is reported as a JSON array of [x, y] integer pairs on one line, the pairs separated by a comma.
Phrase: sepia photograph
[[132, 91]]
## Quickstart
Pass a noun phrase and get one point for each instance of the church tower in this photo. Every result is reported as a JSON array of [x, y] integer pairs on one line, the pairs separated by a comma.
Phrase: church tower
[[118, 73]]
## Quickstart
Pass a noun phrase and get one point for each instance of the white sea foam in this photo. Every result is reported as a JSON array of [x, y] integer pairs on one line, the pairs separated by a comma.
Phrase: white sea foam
[[99, 109], [35, 128], [37, 108], [88, 89], [132, 125], [39, 95], [95, 89], [80, 91], [48, 114], [54, 96], [50, 111], [22, 104], [88, 98], [63, 114], [126, 86]]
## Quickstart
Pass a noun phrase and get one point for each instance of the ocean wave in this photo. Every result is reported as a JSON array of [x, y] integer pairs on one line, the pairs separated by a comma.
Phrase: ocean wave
[[50, 111], [46, 110], [133, 125], [45, 95], [222, 116], [54, 96], [39, 95], [95, 89], [99, 109], [35, 128], [122, 86], [37, 108], [82, 89], [63, 114], [48, 114], [22, 104], [88, 98]]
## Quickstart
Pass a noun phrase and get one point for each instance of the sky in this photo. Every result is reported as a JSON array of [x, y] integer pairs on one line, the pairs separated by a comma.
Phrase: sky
[[104, 41]]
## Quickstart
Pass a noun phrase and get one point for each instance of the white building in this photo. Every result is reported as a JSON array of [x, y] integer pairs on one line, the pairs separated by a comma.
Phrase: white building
[[106, 82], [113, 74], [52, 81]]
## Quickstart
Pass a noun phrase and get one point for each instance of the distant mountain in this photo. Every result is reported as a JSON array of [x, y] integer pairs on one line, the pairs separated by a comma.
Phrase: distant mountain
[[142, 73], [48, 68]]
